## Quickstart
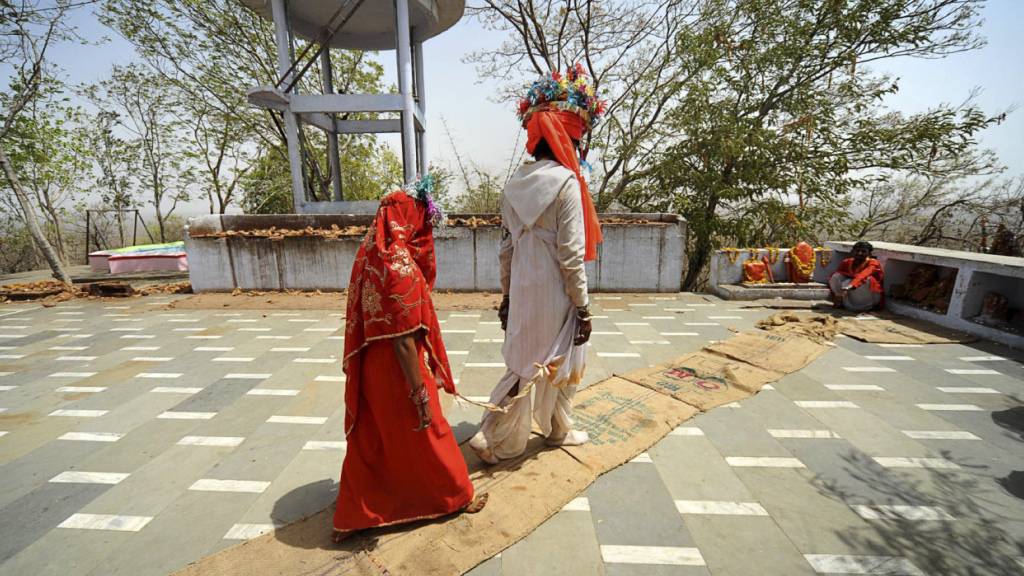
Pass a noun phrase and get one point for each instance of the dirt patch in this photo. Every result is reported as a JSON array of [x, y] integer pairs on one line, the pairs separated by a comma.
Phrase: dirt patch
[[294, 300]]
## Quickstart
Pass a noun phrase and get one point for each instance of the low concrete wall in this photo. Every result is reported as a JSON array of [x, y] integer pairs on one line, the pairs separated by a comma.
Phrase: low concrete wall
[[640, 253], [976, 276]]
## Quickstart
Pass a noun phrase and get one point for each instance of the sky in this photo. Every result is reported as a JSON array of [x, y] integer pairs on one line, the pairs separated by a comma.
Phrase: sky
[[486, 131]]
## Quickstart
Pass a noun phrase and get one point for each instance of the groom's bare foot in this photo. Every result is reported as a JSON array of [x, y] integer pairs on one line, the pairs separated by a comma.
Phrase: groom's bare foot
[[477, 504], [482, 451], [573, 438]]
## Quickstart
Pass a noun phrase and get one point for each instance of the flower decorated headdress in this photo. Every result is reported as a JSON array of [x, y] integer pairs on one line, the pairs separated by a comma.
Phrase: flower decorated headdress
[[423, 190], [572, 91]]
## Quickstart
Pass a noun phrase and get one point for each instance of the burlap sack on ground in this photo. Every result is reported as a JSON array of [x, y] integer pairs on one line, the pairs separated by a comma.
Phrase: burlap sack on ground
[[820, 328], [623, 420], [703, 380], [901, 331], [775, 352]]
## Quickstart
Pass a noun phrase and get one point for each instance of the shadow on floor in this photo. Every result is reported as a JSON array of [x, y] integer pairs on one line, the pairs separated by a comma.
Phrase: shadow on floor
[[976, 542]]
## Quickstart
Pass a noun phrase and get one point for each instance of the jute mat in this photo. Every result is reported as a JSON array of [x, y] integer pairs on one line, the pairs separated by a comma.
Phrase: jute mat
[[880, 328], [624, 416]]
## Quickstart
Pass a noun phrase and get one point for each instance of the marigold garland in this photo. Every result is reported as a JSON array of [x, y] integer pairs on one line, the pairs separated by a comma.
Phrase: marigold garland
[[825, 255], [732, 254], [773, 254]]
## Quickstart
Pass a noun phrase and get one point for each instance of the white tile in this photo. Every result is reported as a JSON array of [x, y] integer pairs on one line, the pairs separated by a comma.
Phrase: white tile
[[901, 345], [982, 358], [171, 415], [607, 297], [297, 419], [323, 378], [248, 531], [215, 485], [940, 435], [204, 337], [763, 462], [968, 390], [126, 329], [218, 441], [285, 314], [176, 390], [890, 358], [867, 369], [228, 314], [900, 512], [138, 337], [68, 348], [254, 329], [72, 374], [702, 323], [649, 342], [502, 340], [79, 413], [720, 508], [271, 392], [910, 462], [213, 348], [654, 318], [92, 436], [618, 354], [971, 372], [272, 337], [6, 373], [324, 445], [767, 387], [679, 334], [950, 407], [321, 329], [140, 348], [106, 522], [642, 304], [89, 389], [243, 321], [11, 356], [159, 375], [6, 388], [3, 433], [117, 307], [183, 319], [446, 331], [655, 555], [581, 504], [804, 434], [458, 352], [240, 359], [848, 564], [687, 431], [316, 360], [642, 458], [246, 376], [825, 404], [80, 477], [292, 349], [855, 387], [152, 359], [196, 329], [594, 333]]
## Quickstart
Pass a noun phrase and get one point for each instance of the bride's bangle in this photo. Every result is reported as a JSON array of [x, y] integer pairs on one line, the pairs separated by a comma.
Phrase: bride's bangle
[[419, 396]]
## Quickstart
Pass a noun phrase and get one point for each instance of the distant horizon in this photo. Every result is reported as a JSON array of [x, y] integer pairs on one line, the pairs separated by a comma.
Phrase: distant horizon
[[487, 131]]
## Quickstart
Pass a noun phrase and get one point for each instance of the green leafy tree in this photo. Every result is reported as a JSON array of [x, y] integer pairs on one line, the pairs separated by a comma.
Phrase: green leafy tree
[[146, 111], [785, 119]]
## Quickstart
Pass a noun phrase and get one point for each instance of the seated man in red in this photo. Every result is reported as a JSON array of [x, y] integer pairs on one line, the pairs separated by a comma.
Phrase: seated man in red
[[857, 284]]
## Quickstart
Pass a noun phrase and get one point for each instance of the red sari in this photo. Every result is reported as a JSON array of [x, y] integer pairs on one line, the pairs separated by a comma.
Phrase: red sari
[[393, 473]]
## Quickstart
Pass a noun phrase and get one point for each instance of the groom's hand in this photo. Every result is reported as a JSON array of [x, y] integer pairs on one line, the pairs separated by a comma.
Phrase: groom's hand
[[503, 312], [582, 333]]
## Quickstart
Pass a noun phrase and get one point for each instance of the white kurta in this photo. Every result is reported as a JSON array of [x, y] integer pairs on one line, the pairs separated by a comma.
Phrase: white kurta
[[543, 273]]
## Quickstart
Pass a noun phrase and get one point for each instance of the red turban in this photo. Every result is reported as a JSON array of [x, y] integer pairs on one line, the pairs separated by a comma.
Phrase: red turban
[[559, 128]]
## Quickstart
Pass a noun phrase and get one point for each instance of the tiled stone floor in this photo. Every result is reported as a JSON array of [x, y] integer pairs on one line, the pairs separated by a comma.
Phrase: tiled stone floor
[[134, 439]]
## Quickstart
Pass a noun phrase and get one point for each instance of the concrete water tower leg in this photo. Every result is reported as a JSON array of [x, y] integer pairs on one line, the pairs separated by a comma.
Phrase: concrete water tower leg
[[291, 122], [405, 89], [332, 136], [421, 101]]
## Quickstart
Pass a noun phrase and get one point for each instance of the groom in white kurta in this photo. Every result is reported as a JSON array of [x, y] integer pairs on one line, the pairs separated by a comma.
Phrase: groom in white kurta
[[545, 283]]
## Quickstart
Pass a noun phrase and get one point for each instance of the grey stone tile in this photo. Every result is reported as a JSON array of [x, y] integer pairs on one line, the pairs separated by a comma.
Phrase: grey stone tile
[[692, 469], [745, 545], [630, 506], [565, 545], [489, 567], [28, 518], [217, 396]]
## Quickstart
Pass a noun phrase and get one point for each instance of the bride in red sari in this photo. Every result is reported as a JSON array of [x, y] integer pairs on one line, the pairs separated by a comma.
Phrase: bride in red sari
[[402, 463]]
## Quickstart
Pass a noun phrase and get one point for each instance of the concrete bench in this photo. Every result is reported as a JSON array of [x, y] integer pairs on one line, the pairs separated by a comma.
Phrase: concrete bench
[[976, 276]]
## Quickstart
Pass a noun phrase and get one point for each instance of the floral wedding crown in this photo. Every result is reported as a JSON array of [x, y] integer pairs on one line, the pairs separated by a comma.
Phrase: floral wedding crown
[[423, 190], [572, 91]]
